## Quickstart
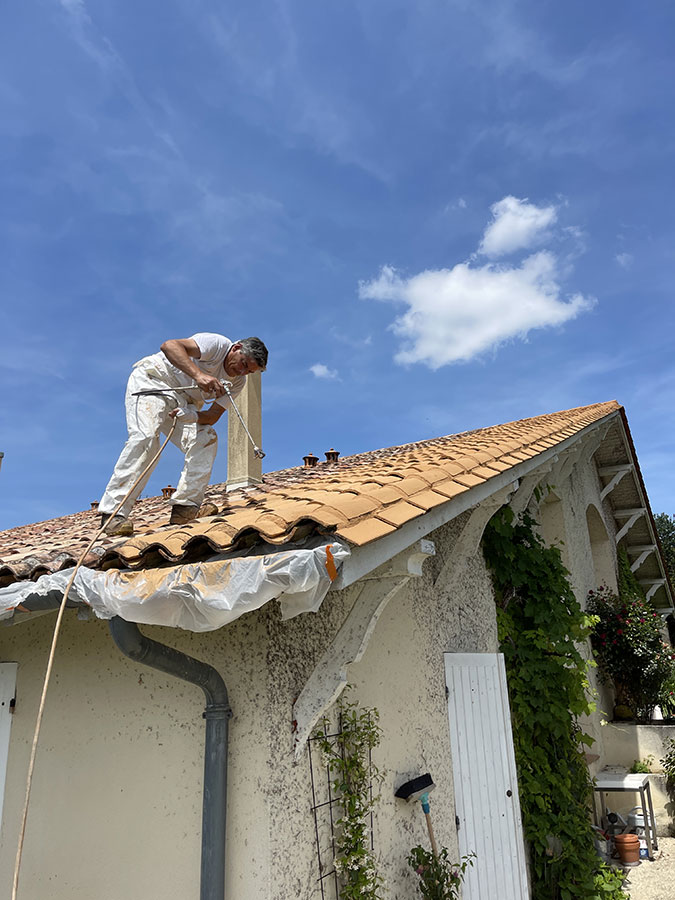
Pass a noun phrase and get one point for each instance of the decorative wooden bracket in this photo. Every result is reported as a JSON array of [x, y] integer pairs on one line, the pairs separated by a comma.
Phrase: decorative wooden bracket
[[632, 515], [329, 677], [577, 453], [468, 540], [654, 585], [616, 473], [565, 463], [644, 551], [523, 496]]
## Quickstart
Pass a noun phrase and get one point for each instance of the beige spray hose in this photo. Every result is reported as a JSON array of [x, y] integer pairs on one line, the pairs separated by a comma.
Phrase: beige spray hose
[[50, 662]]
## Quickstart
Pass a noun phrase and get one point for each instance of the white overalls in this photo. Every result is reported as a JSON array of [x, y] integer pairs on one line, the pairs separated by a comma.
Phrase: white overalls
[[148, 417]]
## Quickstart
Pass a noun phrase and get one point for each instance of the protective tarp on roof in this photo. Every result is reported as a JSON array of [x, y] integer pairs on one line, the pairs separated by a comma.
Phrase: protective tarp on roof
[[200, 596]]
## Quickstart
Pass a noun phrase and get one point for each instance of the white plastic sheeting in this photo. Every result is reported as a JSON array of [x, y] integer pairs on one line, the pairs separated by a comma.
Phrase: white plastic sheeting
[[199, 596]]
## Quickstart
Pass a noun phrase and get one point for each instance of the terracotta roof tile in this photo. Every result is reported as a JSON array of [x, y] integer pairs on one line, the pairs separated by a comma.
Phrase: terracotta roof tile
[[411, 485], [432, 474], [399, 513], [451, 489], [428, 499], [450, 467], [466, 463], [353, 505], [367, 531], [360, 499], [469, 480], [387, 493], [497, 465], [483, 472]]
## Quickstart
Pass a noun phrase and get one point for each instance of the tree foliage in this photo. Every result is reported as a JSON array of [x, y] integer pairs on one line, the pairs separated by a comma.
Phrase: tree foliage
[[665, 526]]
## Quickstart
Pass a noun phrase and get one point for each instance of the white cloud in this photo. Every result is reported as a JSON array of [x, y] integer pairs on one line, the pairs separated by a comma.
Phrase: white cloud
[[625, 260], [516, 225], [456, 314], [321, 371]]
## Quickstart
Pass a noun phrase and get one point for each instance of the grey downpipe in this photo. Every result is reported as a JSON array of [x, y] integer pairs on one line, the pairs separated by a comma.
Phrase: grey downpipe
[[144, 650]]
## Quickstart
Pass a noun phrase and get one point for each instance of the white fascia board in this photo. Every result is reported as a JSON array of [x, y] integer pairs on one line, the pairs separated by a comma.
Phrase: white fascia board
[[364, 559]]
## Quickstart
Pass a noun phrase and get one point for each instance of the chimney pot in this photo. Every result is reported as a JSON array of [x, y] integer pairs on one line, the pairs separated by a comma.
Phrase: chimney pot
[[94, 504], [332, 455], [310, 460], [168, 491]]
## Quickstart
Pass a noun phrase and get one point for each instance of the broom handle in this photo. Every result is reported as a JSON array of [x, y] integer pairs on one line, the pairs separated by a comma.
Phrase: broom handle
[[434, 848]]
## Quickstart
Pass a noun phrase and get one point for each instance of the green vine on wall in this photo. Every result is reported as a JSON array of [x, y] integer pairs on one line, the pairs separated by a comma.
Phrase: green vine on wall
[[540, 625], [347, 756]]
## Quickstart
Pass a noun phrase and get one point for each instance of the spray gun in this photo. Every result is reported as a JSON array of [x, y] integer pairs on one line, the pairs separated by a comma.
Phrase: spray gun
[[419, 789], [227, 386]]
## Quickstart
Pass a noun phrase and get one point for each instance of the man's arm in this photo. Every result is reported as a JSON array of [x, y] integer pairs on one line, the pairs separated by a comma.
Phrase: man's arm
[[180, 352], [211, 415]]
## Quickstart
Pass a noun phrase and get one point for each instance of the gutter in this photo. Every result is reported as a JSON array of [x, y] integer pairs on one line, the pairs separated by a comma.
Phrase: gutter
[[158, 656]]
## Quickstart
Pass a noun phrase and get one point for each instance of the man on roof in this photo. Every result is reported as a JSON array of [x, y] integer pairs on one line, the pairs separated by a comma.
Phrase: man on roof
[[186, 373]]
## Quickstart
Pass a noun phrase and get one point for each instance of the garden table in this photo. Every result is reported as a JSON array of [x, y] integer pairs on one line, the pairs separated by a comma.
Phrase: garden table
[[607, 782]]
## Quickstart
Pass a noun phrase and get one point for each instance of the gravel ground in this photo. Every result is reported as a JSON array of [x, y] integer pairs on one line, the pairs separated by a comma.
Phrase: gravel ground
[[654, 880]]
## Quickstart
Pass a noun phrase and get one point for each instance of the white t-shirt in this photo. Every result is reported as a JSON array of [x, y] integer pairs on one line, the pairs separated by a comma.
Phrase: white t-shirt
[[213, 348]]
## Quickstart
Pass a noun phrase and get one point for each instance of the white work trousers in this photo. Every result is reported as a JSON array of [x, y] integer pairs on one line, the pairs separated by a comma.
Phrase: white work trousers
[[147, 418]]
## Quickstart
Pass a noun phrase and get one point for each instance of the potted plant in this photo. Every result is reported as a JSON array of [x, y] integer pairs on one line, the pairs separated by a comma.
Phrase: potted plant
[[440, 879]]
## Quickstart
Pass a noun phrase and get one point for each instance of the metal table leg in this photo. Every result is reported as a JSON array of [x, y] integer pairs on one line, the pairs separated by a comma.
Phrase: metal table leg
[[651, 815], [648, 824]]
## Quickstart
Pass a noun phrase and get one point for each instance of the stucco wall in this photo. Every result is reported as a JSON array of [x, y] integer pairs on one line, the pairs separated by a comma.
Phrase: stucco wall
[[116, 801]]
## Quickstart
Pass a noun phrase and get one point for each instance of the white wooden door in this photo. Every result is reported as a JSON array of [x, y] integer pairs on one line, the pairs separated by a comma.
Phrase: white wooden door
[[484, 773], [7, 688]]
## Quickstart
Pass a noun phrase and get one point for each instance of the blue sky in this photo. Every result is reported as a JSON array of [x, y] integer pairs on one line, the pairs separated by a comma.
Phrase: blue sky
[[439, 216]]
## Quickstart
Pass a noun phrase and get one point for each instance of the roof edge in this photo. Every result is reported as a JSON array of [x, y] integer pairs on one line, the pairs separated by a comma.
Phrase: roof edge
[[367, 558]]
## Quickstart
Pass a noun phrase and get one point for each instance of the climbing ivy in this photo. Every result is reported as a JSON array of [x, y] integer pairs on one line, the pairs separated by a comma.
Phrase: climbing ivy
[[540, 627]]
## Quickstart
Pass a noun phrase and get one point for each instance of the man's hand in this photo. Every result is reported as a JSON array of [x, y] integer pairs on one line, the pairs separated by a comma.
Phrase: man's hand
[[209, 384]]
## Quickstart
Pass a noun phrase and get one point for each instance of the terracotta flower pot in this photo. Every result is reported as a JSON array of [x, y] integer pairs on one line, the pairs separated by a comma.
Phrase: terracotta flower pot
[[628, 848]]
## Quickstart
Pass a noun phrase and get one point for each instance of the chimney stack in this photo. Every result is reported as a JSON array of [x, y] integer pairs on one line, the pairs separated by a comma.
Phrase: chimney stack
[[243, 466], [332, 455]]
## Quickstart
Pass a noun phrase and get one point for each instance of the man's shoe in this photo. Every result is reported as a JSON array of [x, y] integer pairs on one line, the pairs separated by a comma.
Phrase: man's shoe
[[181, 515], [116, 525], [208, 509]]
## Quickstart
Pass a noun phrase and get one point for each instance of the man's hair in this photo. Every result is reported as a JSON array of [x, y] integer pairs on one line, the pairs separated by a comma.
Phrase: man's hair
[[254, 348]]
